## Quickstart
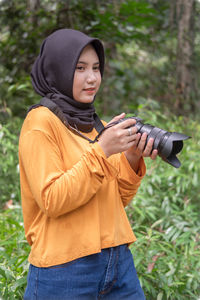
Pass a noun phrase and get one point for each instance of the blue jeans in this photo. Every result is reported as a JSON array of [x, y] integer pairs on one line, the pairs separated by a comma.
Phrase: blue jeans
[[108, 275]]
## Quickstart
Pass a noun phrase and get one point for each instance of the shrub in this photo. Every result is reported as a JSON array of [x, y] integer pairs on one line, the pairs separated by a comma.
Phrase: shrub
[[165, 218], [9, 167], [13, 254]]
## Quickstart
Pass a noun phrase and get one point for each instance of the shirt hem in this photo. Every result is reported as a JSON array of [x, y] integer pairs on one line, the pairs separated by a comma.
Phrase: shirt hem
[[45, 262]]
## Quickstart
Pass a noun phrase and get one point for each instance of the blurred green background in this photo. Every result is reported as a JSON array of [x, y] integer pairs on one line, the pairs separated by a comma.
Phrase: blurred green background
[[152, 71]]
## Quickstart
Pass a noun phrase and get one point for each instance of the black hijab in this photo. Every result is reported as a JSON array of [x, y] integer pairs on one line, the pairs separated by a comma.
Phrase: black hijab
[[53, 73]]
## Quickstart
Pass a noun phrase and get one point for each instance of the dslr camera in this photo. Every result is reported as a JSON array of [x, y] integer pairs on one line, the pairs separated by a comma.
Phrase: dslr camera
[[168, 144]]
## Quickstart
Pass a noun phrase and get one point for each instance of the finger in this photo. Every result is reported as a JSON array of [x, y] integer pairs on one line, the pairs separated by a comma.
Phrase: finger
[[134, 138], [127, 123], [142, 142], [149, 147], [133, 144], [131, 138], [138, 137], [134, 130], [154, 154], [117, 118]]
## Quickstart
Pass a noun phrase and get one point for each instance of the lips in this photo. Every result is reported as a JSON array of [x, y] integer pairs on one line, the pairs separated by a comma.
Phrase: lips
[[89, 89]]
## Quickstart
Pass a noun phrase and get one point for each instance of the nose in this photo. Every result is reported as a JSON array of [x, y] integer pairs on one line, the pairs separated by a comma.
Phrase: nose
[[91, 76]]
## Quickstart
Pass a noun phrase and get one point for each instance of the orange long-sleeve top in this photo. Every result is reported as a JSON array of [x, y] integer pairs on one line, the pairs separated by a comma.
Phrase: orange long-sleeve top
[[73, 197]]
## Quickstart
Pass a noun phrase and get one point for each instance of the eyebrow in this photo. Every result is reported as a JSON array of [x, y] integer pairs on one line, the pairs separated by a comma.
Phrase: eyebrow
[[83, 62]]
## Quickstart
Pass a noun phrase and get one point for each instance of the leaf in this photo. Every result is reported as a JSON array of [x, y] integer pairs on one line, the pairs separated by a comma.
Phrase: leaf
[[19, 283], [156, 223], [171, 271], [160, 296], [6, 273]]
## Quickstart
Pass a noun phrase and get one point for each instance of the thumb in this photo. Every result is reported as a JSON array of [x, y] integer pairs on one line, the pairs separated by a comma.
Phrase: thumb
[[117, 118]]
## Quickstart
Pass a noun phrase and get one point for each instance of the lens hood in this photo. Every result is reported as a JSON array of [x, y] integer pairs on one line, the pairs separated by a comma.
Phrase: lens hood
[[173, 145]]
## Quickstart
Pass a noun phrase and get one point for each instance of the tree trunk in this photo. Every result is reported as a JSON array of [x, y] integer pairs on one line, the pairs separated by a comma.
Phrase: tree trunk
[[33, 6], [185, 71]]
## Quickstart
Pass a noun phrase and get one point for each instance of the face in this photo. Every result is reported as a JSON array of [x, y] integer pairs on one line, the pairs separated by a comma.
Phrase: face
[[87, 76]]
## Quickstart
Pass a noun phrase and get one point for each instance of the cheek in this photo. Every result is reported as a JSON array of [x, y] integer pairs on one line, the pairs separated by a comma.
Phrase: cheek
[[99, 80], [77, 84]]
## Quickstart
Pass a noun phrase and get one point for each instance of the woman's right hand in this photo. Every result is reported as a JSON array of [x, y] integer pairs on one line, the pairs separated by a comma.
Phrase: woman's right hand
[[118, 138]]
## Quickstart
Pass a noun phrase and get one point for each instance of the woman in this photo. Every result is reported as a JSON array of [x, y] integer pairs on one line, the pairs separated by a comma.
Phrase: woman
[[76, 183]]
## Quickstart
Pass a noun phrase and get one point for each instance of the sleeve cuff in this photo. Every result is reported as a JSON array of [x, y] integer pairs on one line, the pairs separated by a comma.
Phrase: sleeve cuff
[[126, 170], [99, 150], [104, 166]]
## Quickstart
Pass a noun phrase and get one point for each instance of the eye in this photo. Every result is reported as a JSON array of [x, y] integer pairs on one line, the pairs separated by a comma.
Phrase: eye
[[80, 68], [96, 68]]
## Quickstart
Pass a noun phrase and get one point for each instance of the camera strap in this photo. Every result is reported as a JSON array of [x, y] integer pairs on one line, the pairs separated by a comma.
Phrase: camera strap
[[58, 112]]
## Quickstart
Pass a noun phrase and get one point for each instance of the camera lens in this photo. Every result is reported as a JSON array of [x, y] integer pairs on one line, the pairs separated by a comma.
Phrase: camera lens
[[167, 143]]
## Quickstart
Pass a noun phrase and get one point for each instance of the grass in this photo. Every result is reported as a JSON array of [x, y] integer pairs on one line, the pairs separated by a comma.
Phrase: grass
[[13, 254]]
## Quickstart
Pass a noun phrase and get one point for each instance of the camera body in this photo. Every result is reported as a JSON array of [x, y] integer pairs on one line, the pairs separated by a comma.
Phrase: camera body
[[167, 143]]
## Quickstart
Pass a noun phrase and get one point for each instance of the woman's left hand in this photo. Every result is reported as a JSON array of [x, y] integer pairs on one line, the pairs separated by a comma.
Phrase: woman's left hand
[[139, 149]]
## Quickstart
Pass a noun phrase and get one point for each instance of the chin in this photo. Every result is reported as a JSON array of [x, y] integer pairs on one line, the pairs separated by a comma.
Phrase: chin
[[89, 100], [86, 100]]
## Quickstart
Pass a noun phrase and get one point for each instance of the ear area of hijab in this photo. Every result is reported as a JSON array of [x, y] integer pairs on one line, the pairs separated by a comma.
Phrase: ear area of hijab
[[98, 46]]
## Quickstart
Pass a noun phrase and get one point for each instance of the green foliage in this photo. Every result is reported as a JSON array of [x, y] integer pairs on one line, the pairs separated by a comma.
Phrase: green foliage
[[165, 217], [13, 255], [140, 49], [141, 54], [24, 26], [9, 167]]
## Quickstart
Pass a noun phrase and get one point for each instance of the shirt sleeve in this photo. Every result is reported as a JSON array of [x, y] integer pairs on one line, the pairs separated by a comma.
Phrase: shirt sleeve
[[56, 190], [128, 180]]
